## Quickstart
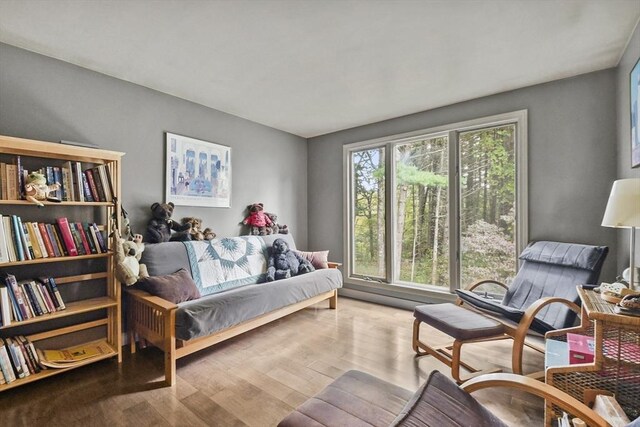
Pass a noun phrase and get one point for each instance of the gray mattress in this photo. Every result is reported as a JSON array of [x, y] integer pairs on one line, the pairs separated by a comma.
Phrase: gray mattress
[[215, 312]]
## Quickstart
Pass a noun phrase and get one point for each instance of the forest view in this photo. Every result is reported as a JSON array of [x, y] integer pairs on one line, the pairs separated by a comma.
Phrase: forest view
[[487, 209]]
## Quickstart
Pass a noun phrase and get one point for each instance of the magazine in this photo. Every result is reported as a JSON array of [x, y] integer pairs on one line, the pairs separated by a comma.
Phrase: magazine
[[72, 356]]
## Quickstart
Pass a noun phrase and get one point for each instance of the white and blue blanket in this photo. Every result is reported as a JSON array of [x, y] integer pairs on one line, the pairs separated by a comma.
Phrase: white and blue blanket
[[219, 265]]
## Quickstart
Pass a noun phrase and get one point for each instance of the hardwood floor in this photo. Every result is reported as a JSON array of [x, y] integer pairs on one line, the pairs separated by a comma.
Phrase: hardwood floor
[[256, 379]]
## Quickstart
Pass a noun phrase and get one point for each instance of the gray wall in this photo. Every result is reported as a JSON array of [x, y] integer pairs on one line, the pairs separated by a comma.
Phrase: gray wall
[[572, 160], [629, 59], [43, 98]]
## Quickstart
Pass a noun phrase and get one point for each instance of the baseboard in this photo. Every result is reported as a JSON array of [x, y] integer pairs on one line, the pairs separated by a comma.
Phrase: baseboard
[[398, 302]]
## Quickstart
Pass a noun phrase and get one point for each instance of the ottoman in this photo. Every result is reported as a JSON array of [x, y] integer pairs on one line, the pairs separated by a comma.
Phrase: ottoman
[[462, 325]]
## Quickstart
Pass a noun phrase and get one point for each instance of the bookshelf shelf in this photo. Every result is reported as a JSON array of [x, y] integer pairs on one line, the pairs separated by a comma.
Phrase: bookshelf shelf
[[75, 307], [51, 371], [55, 259], [85, 172], [28, 203]]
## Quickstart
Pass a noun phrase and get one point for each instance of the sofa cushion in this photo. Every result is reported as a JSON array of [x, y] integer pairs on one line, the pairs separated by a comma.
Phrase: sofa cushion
[[441, 403], [219, 311], [354, 399], [176, 288], [165, 258], [318, 259], [458, 322], [227, 263]]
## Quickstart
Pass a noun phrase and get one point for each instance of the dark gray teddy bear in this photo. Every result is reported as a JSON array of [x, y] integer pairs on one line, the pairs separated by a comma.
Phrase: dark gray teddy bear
[[285, 263]]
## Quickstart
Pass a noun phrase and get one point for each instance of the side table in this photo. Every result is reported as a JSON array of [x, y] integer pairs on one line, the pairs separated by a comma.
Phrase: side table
[[616, 365]]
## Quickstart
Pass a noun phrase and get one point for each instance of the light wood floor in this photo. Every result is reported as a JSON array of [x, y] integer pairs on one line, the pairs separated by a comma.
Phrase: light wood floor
[[256, 379]]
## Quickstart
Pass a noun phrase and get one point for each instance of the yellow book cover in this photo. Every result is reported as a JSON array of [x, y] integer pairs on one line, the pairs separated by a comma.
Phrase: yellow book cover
[[76, 354]]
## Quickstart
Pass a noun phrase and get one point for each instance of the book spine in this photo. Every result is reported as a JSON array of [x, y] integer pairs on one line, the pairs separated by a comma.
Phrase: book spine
[[8, 229], [5, 364], [83, 237], [60, 240], [33, 240], [77, 239], [56, 292], [20, 171], [35, 305], [44, 281], [57, 179], [90, 239], [2, 380], [48, 244], [102, 185], [46, 297], [64, 184], [17, 238], [15, 362], [37, 292], [16, 312], [71, 191], [40, 240], [12, 182], [65, 231], [53, 235], [19, 357], [28, 253], [31, 354], [85, 186], [107, 174], [4, 243], [101, 242], [25, 356], [92, 185], [18, 296], [3, 179], [5, 305]]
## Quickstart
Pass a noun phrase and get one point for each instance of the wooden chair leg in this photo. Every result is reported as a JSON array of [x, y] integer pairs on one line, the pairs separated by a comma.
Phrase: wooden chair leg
[[170, 349], [333, 301], [517, 352], [132, 341], [416, 338], [455, 361]]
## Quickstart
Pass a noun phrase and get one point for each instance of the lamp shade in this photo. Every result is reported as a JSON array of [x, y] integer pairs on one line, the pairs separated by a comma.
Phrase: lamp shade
[[623, 207]]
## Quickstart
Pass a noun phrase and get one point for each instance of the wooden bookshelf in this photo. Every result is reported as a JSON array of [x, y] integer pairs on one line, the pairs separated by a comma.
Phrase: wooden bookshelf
[[41, 154]]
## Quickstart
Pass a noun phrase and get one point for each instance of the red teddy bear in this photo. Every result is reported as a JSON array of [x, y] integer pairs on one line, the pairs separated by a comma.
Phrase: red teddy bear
[[257, 220]]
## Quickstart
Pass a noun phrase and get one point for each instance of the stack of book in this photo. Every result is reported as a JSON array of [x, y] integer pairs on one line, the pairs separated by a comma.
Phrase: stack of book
[[77, 183], [18, 359], [25, 299], [23, 241]]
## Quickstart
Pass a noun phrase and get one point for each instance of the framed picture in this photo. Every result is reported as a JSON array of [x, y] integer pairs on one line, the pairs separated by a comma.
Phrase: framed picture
[[634, 89], [198, 172]]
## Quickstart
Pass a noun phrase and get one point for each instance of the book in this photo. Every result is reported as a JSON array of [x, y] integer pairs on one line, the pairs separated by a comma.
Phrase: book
[[68, 182], [580, 348], [57, 179], [46, 297], [9, 236], [109, 190], [5, 364], [3, 181], [55, 239], [77, 239], [18, 297], [2, 380], [26, 245], [33, 240], [17, 238], [56, 292], [92, 185], [12, 182], [19, 357], [78, 188], [83, 237], [14, 360], [85, 188], [21, 174], [90, 239], [58, 235], [4, 249], [5, 305], [99, 238], [27, 365], [31, 353], [67, 238], [74, 355], [32, 300], [44, 234]]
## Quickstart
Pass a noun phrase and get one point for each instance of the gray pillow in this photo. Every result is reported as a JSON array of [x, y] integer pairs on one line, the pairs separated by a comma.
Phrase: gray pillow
[[176, 288]]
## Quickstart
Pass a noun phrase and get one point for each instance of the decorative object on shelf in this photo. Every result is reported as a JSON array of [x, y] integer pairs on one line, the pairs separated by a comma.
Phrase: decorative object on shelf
[[196, 231], [198, 173], [275, 227], [623, 211], [36, 189], [634, 89], [257, 220]]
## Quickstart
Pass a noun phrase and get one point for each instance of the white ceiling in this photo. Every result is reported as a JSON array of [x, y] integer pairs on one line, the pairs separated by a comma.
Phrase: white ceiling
[[311, 67]]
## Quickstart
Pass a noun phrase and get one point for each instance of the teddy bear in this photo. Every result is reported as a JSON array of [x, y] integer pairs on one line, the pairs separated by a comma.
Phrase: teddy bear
[[285, 263], [196, 233], [36, 188], [160, 225], [275, 227], [257, 220], [127, 257]]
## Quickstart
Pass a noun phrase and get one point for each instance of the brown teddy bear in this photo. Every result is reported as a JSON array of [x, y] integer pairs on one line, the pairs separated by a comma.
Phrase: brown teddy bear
[[196, 232]]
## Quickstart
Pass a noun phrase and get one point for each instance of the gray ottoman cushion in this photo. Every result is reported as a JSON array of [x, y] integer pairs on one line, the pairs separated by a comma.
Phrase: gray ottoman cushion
[[457, 322], [354, 399]]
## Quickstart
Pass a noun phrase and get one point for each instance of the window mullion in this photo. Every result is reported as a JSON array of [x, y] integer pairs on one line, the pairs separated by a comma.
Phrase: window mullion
[[390, 214], [454, 211]]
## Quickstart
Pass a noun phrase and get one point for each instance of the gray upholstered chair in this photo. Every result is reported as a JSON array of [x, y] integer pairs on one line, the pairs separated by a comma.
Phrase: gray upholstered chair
[[359, 399], [543, 295]]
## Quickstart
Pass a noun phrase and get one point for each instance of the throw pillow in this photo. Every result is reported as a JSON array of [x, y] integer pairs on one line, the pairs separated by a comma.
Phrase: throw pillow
[[176, 288], [317, 259]]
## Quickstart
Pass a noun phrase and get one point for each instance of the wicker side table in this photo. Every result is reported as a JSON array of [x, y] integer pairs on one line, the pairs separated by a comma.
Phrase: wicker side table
[[616, 365]]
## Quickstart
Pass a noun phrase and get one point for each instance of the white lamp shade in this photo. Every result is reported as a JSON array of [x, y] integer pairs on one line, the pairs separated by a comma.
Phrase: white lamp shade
[[623, 207]]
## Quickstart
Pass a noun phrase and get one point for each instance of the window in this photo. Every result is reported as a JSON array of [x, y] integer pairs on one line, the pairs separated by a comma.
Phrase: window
[[439, 208]]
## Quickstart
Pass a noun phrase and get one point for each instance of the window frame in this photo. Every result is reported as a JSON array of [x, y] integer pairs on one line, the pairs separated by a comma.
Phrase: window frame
[[452, 131]]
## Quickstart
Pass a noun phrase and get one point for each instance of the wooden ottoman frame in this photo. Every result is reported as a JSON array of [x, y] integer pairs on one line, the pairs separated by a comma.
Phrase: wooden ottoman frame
[[153, 319]]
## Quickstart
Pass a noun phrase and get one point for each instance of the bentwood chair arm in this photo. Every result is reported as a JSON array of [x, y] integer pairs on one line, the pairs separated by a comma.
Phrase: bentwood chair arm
[[525, 324], [482, 282], [547, 392]]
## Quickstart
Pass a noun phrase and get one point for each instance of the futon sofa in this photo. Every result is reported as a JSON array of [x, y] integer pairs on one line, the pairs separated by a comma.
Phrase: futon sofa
[[236, 306]]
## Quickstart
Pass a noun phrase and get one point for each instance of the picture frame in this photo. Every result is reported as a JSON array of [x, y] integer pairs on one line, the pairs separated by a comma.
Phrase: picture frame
[[198, 173], [634, 92]]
